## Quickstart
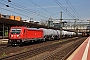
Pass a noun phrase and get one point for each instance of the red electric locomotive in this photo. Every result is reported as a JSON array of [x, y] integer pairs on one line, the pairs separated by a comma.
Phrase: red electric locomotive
[[20, 35]]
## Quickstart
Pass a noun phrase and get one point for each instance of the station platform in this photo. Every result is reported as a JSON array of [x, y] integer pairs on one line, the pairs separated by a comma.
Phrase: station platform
[[3, 41], [82, 52]]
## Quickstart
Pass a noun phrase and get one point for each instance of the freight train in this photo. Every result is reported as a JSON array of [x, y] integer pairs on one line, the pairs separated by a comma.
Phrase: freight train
[[20, 35]]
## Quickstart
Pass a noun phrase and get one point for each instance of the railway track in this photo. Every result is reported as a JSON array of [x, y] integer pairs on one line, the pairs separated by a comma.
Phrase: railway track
[[3, 46], [33, 52], [64, 53], [31, 46]]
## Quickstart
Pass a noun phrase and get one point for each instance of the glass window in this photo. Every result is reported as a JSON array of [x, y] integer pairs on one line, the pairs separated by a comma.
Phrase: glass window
[[15, 30]]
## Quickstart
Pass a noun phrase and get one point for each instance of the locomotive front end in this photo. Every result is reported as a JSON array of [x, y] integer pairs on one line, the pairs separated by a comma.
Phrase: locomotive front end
[[15, 36]]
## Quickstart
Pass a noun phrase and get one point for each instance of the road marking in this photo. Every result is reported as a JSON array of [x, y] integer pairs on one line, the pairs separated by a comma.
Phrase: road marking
[[84, 57]]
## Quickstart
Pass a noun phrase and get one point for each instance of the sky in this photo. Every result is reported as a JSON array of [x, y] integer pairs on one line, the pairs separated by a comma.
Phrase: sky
[[44, 9]]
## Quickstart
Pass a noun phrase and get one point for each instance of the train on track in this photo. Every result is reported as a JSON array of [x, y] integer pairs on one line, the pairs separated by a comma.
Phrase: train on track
[[20, 35]]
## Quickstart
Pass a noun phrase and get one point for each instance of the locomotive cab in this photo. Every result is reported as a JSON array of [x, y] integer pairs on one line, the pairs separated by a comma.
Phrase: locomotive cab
[[15, 35]]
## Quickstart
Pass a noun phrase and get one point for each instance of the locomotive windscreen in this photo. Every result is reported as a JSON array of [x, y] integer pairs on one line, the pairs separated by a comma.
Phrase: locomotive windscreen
[[15, 30]]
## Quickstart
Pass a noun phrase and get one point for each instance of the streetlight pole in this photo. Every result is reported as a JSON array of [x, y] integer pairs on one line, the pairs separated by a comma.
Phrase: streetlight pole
[[3, 31], [61, 25], [75, 28]]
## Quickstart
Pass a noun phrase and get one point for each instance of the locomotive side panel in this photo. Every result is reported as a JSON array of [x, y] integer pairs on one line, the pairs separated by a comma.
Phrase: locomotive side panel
[[31, 34]]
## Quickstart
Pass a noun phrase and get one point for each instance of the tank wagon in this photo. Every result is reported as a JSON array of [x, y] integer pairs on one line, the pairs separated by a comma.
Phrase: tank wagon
[[20, 35]]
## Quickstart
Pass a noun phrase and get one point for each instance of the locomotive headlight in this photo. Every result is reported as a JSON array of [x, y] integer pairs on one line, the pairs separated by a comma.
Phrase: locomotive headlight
[[11, 35], [17, 35]]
